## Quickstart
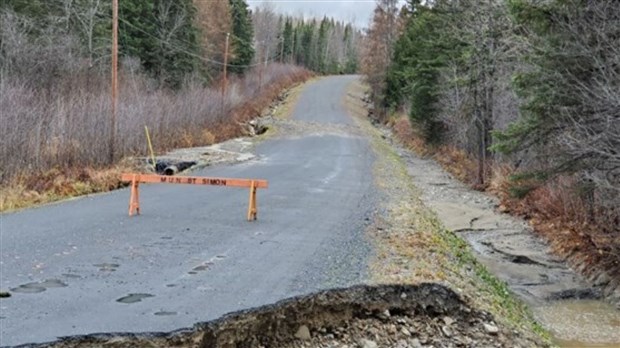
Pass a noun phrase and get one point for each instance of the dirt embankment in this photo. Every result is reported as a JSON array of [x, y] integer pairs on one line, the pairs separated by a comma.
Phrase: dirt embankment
[[424, 315]]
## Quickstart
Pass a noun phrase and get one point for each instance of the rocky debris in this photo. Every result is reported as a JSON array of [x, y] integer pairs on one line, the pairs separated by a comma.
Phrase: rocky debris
[[490, 328], [290, 128], [303, 333], [428, 315], [364, 343], [254, 127], [231, 151]]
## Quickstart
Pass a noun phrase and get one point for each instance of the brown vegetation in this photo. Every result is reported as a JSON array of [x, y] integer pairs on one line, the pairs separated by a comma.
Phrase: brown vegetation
[[54, 140], [583, 234], [378, 48], [518, 98]]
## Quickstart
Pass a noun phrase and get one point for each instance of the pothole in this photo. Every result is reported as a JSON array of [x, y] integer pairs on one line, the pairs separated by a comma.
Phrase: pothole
[[37, 287], [133, 298], [107, 267]]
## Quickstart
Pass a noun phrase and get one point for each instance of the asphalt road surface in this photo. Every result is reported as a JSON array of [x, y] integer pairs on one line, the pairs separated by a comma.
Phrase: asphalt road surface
[[191, 256]]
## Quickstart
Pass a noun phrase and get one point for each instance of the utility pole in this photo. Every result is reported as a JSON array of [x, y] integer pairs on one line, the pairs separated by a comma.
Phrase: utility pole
[[114, 77], [260, 68], [225, 87]]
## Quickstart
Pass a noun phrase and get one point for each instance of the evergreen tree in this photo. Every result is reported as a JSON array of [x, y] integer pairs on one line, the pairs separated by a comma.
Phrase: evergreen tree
[[570, 113], [351, 63], [419, 56], [242, 36], [288, 37], [163, 34], [320, 54]]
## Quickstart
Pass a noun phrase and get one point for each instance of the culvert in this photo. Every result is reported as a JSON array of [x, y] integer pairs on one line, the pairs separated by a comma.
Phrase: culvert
[[424, 315]]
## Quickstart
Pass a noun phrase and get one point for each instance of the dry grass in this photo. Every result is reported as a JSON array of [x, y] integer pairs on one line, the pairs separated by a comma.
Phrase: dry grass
[[45, 187], [54, 142], [454, 160], [578, 231]]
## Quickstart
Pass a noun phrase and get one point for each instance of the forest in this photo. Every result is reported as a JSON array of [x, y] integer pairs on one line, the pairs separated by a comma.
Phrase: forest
[[55, 63], [517, 97]]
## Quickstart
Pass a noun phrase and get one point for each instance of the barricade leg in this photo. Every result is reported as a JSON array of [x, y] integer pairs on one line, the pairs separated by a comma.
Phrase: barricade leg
[[252, 209], [134, 199]]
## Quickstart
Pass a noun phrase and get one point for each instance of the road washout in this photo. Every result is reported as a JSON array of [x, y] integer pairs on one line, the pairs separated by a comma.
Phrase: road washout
[[443, 297], [435, 308], [561, 300], [422, 315]]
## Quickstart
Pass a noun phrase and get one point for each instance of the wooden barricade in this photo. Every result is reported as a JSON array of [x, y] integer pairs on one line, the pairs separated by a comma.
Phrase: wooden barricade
[[137, 179]]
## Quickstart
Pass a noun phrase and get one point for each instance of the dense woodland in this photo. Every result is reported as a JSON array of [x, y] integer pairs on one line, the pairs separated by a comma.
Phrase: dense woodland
[[55, 61], [528, 90]]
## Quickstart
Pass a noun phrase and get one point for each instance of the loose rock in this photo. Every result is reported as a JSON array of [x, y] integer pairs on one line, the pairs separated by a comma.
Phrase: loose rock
[[303, 333], [364, 343], [491, 329]]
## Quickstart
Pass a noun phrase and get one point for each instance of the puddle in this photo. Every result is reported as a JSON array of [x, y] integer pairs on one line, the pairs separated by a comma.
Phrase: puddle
[[134, 298], [561, 300], [30, 288], [203, 267], [107, 267], [521, 260], [164, 313], [37, 287], [206, 265], [581, 323]]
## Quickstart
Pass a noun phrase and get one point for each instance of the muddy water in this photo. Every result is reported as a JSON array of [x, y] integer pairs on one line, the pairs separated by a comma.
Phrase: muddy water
[[561, 300], [581, 323]]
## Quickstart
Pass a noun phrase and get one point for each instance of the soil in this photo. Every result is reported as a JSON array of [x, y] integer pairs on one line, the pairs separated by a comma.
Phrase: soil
[[424, 315]]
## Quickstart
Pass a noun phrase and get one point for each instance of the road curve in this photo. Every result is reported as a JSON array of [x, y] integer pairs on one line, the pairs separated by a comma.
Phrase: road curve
[[192, 251]]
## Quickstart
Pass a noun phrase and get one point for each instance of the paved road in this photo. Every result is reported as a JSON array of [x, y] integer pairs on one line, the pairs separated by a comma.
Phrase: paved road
[[192, 249]]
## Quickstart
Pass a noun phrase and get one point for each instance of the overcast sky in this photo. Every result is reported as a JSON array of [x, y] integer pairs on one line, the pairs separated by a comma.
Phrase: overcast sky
[[356, 11]]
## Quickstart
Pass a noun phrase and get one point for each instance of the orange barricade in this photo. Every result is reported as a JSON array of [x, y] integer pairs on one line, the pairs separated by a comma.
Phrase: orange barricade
[[136, 179]]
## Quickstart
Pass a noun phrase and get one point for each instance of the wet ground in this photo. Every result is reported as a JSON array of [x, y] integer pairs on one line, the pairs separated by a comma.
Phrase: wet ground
[[561, 300]]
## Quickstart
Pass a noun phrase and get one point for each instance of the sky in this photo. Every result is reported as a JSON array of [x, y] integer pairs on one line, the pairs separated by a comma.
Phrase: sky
[[358, 12]]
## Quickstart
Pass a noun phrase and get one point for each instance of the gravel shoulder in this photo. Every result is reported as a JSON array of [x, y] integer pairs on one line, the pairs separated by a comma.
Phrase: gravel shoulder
[[413, 244]]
